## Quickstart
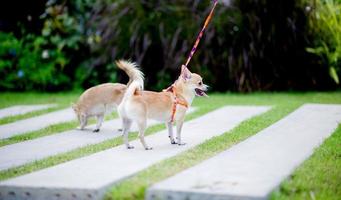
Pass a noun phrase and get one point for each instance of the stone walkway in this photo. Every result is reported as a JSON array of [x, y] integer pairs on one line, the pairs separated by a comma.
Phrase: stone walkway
[[36, 123], [31, 150], [90, 176], [23, 109], [253, 168]]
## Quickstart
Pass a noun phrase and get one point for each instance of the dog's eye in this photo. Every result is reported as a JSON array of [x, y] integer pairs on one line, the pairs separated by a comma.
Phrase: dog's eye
[[200, 83]]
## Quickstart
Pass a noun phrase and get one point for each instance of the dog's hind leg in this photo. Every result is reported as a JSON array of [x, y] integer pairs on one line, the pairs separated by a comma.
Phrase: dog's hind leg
[[142, 127], [99, 122], [170, 132], [126, 128]]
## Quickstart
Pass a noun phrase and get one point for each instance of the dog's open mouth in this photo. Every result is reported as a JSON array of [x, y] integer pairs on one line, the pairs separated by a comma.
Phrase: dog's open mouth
[[200, 92]]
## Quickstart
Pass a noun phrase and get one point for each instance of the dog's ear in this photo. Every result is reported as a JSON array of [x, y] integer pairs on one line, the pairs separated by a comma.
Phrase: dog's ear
[[185, 73]]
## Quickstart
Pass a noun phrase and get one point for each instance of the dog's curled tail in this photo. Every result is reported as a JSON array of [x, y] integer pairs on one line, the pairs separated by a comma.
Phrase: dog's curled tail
[[135, 78], [131, 69]]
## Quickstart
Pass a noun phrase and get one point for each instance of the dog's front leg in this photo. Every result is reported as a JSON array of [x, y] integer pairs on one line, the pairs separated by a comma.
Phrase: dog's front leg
[[100, 119], [84, 121], [170, 132], [179, 124]]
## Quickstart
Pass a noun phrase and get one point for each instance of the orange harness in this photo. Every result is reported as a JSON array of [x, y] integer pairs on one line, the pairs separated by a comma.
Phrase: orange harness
[[176, 101]]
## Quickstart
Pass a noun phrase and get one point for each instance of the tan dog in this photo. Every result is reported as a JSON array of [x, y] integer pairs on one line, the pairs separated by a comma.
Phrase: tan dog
[[167, 106], [102, 99]]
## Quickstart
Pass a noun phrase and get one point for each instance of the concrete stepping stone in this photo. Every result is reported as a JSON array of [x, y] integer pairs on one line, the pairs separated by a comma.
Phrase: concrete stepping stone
[[36, 123], [31, 150], [23, 109], [89, 177], [254, 167]]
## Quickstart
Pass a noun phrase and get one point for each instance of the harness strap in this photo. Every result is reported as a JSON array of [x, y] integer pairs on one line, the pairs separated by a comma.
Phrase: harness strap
[[176, 101]]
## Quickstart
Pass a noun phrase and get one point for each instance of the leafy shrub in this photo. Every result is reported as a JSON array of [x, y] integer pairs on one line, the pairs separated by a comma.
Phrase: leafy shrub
[[251, 45], [266, 47], [26, 65], [47, 61], [157, 34], [326, 24]]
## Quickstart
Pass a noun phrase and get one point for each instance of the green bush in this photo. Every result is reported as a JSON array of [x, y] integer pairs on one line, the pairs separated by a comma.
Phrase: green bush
[[66, 28], [326, 24], [26, 65], [47, 61], [251, 45], [156, 34]]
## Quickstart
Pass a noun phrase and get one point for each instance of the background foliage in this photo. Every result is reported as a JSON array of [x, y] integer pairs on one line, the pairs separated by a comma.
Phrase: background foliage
[[250, 45], [326, 24]]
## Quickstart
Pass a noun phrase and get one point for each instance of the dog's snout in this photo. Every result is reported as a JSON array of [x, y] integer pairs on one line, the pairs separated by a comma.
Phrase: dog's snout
[[206, 87]]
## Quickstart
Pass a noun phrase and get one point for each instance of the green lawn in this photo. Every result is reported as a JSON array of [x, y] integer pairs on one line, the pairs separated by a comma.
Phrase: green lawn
[[61, 99], [299, 186], [319, 177]]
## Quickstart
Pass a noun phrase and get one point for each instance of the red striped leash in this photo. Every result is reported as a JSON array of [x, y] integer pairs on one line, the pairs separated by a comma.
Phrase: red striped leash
[[201, 33], [172, 88]]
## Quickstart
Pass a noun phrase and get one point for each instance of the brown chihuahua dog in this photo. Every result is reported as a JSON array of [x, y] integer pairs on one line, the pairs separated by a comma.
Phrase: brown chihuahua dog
[[167, 106], [103, 99]]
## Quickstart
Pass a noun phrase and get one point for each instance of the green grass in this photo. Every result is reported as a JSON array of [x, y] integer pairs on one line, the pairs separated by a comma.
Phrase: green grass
[[134, 187], [50, 130], [14, 118], [53, 129], [319, 177], [14, 98], [62, 100]]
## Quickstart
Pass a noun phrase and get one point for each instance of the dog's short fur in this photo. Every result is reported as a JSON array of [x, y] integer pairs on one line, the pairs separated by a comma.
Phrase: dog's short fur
[[138, 105], [102, 99]]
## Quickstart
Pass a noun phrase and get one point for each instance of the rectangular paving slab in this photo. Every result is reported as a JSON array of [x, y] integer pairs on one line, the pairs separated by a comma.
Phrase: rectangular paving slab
[[36, 123], [89, 177], [31, 150], [254, 167], [22, 109]]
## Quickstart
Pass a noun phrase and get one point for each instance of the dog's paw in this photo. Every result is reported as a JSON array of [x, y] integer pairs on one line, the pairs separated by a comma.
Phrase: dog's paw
[[148, 148], [130, 147], [96, 130], [173, 142], [181, 143]]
